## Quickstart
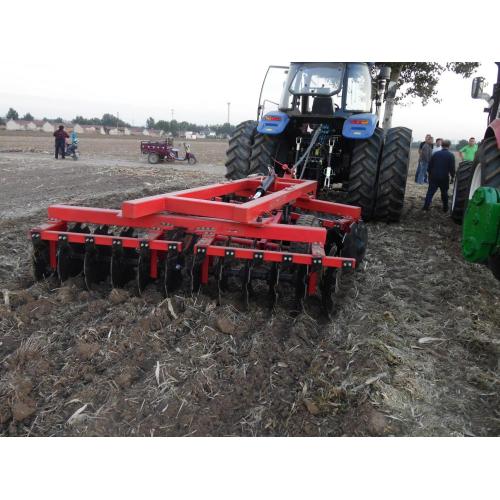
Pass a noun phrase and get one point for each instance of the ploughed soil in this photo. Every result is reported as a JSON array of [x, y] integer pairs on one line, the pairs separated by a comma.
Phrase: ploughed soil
[[413, 348]]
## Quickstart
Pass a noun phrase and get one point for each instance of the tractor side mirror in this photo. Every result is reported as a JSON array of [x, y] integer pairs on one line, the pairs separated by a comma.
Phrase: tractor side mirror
[[385, 73], [477, 87]]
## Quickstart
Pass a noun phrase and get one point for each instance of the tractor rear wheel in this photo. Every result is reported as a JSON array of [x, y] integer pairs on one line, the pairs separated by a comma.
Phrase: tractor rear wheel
[[265, 150], [363, 174], [461, 188], [239, 150], [489, 156], [393, 172]]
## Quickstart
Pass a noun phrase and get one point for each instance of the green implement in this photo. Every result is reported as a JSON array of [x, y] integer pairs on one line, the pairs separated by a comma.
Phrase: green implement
[[481, 229]]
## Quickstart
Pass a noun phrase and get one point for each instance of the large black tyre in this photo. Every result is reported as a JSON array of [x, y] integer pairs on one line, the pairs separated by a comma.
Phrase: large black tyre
[[391, 184], [362, 184], [239, 150], [488, 155], [265, 150], [461, 188]]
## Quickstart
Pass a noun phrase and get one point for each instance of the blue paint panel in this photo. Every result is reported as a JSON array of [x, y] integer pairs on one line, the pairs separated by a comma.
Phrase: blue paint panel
[[273, 123], [353, 130]]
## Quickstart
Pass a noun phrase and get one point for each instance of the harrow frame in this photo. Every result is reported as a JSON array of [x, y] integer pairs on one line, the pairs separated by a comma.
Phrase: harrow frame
[[226, 220]]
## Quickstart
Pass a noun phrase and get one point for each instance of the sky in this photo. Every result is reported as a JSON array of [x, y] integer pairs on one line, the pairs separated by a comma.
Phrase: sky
[[145, 59]]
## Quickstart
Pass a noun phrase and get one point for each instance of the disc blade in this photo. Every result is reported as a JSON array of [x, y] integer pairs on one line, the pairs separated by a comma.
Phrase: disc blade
[[274, 276], [142, 277], [172, 274]]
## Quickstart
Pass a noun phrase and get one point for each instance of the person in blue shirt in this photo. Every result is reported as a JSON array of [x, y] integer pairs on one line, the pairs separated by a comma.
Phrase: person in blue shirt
[[441, 170], [74, 138]]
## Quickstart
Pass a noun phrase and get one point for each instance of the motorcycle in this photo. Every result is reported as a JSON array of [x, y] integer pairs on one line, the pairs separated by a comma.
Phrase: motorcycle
[[163, 151], [72, 150]]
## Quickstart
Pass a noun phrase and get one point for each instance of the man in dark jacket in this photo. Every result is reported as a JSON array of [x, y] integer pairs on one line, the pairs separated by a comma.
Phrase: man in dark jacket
[[61, 136], [441, 170]]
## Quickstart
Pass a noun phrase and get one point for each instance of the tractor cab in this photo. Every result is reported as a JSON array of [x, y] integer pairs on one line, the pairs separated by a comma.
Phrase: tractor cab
[[323, 92], [325, 88], [325, 127]]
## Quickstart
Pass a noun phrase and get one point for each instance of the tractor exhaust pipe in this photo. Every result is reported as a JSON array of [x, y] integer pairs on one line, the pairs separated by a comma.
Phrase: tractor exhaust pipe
[[382, 79]]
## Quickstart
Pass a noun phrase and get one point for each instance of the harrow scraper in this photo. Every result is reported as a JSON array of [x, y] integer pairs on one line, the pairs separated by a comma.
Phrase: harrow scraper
[[258, 231]]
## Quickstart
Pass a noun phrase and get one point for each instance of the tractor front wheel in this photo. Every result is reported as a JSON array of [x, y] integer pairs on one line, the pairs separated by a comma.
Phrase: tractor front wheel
[[393, 172], [239, 150]]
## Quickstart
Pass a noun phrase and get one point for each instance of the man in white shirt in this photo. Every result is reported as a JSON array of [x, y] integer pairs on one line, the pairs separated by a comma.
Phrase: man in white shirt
[[438, 146]]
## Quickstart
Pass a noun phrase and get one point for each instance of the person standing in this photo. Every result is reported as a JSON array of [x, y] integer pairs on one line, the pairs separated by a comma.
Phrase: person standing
[[424, 159], [441, 171], [60, 142], [468, 152], [438, 146]]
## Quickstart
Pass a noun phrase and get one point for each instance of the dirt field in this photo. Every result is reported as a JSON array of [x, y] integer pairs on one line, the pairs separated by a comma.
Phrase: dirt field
[[413, 349]]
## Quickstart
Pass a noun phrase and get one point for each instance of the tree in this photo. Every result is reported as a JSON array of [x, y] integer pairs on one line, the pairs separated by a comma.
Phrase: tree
[[109, 120], [163, 125], [12, 114], [28, 116], [461, 143], [150, 122], [418, 80], [174, 128]]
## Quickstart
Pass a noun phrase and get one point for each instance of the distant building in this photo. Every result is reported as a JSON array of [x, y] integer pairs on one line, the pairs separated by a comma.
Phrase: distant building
[[79, 129], [14, 125]]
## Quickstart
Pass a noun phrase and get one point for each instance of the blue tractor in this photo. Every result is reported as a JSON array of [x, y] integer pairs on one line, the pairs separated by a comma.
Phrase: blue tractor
[[326, 126]]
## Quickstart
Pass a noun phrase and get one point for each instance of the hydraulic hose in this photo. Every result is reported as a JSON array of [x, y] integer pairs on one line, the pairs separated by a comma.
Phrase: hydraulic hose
[[307, 152]]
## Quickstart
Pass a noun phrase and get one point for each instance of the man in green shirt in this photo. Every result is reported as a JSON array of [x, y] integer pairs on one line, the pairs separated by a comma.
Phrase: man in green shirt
[[468, 152]]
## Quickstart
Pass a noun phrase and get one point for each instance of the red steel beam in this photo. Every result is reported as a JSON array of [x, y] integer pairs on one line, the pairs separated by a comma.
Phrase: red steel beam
[[198, 201], [107, 240], [329, 208], [272, 256], [198, 225]]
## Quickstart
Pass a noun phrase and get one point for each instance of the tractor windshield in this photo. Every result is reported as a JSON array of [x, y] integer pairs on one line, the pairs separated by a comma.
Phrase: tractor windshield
[[316, 78], [358, 94]]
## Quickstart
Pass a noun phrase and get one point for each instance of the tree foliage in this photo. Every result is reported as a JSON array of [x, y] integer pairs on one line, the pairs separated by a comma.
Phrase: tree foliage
[[461, 143], [419, 79], [12, 114], [107, 120], [150, 122], [28, 116]]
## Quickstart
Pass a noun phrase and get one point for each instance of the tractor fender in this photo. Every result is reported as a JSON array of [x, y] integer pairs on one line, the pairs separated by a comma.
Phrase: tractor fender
[[273, 123], [493, 130], [360, 126]]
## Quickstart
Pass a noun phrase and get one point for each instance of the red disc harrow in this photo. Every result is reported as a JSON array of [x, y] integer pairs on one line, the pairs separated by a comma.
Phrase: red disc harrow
[[267, 229]]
